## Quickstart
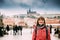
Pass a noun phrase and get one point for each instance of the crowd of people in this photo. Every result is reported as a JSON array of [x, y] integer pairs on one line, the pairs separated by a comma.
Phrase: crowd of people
[[16, 29]]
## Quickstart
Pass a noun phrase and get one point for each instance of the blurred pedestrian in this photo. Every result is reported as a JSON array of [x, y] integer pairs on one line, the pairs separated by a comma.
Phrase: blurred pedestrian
[[7, 28], [1, 31], [20, 28], [14, 30], [50, 28]]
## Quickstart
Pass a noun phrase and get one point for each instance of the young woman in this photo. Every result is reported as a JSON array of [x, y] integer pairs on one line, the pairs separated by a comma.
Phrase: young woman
[[40, 31]]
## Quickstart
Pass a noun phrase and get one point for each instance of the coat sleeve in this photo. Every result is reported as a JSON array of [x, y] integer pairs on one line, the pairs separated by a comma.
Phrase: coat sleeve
[[49, 38], [33, 34]]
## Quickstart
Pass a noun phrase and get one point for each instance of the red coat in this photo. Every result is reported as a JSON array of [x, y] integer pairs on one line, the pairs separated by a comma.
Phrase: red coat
[[41, 34]]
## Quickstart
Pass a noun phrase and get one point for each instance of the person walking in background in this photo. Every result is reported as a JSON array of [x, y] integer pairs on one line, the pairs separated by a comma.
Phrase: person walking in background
[[7, 28], [41, 32], [1, 31], [55, 31], [58, 31], [20, 28], [14, 30], [50, 28]]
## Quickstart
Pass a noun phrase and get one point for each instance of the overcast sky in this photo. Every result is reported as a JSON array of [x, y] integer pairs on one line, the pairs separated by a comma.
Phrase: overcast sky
[[21, 6]]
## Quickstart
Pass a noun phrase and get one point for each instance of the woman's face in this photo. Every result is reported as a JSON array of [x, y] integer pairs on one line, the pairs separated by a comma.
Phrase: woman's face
[[41, 22]]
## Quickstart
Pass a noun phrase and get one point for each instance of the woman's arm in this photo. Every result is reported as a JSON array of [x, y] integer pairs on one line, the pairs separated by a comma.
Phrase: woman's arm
[[34, 33], [49, 38]]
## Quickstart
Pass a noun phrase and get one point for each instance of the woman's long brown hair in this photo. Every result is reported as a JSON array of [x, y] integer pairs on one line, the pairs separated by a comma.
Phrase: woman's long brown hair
[[41, 18]]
